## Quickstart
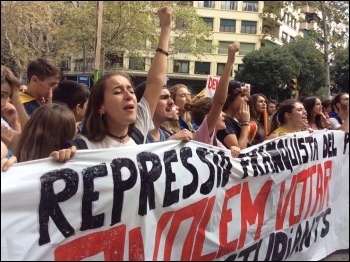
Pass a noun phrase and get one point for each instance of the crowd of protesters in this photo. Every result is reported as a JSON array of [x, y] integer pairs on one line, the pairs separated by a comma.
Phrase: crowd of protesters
[[52, 118]]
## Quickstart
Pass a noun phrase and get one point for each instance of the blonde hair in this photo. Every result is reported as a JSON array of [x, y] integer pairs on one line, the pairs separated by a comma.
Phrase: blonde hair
[[173, 93]]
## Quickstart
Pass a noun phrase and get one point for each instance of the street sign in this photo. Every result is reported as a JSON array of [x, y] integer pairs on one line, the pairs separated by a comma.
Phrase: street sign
[[84, 79]]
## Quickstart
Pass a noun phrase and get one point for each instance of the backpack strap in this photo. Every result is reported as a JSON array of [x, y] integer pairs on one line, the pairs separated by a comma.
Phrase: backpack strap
[[78, 142], [136, 135]]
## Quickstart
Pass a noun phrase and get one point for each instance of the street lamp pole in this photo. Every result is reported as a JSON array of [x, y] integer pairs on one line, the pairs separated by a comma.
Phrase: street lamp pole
[[98, 40]]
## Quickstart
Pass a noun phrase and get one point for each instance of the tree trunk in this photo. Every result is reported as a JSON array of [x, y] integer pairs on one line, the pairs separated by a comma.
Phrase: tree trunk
[[326, 59]]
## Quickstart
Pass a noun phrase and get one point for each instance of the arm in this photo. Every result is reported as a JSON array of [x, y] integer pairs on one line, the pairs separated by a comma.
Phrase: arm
[[22, 114], [6, 163], [157, 72], [241, 142], [272, 136], [221, 92]]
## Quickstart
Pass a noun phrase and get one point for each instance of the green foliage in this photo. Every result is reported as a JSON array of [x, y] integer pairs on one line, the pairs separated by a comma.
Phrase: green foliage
[[340, 70], [312, 75], [268, 70], [58, 30]]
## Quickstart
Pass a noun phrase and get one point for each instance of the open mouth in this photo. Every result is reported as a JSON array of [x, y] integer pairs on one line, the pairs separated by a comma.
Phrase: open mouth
[[129, 108]]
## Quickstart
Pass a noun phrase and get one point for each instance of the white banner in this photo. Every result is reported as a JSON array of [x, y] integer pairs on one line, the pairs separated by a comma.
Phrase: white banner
[[285, 199], [212, 84]]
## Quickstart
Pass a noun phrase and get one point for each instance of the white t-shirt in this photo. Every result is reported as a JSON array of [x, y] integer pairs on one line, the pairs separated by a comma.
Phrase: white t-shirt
[[143, 122], [334, 123]]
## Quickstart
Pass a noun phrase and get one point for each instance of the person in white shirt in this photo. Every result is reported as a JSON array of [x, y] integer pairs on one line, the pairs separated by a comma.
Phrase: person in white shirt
[[340, 103], [112, 107]]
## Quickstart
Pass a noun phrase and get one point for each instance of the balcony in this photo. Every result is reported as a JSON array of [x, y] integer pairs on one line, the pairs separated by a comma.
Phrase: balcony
[[308, 26]]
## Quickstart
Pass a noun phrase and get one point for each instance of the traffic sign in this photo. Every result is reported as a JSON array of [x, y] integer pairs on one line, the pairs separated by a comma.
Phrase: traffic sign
[[84, 79]]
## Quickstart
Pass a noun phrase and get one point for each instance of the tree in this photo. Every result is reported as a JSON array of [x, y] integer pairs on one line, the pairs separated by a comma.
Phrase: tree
[[340, 70], [58, 30], [25, 33], [268, 70], [333, 15], [312, 75]]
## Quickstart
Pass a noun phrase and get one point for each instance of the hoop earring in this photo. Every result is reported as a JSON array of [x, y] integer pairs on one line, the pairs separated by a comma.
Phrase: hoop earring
[[102, 118]]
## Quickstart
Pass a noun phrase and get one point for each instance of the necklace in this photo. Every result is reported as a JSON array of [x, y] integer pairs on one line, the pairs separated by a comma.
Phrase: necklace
[[119, 137]]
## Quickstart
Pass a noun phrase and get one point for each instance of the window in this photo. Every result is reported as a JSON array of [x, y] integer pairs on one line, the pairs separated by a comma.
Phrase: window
[[209, 48], [293, 23], [208, 21], [64, 65], [250, 6], [284, 37], [181, 66], [246, 48], [113, 61], [185, 3], [136, 63], [286, 19], [229, 5], [291, 39], [223, 47], [220, 69], [202, 68], [209, 4], [227, 25], [248, 27], [240, 67]]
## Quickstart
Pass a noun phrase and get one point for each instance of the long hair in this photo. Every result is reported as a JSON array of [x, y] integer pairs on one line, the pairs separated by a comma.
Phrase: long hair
[[48, 129], [278, 118], [233, 92], [94, 125], [173, 93], [309, 104], [252, 106], [199, 109]]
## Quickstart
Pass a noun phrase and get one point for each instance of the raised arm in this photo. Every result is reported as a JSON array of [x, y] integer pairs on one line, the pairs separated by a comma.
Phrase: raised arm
[[222, 89], [157, 72]]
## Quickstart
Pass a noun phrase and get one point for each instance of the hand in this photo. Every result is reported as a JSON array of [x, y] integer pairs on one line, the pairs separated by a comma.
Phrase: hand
[[6, 135], [235, 150], [64, 154], [9, 112], [183, 135], [165, 15], [7, 163], [232, 50], [244, 112]]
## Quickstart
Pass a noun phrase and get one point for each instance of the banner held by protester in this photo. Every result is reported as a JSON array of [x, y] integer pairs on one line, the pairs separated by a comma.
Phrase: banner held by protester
[[282, 199]]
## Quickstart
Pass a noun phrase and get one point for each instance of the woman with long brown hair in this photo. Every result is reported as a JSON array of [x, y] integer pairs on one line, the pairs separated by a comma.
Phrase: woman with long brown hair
[[48, 130]]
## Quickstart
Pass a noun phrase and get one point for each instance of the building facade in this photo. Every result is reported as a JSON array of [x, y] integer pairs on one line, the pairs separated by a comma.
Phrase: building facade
[[230, 21]]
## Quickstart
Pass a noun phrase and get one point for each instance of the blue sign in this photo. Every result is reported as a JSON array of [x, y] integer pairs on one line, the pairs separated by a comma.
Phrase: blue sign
[[84, 79]]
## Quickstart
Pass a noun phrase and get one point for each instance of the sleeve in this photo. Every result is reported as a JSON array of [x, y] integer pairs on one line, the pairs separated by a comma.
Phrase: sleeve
[[334, 123], [143, 118], [221, 134], [202, 133]]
